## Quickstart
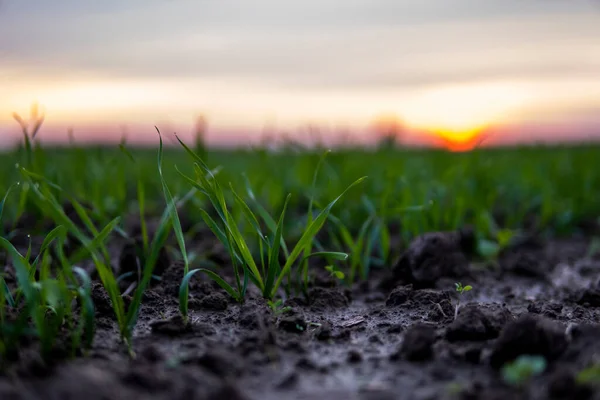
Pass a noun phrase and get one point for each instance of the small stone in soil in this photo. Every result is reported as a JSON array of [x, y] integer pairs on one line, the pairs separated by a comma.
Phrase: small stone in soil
[[327, 298]]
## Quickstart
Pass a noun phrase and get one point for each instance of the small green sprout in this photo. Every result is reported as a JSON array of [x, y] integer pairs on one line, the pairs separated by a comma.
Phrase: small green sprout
[[277, 307], [264, 271], [461, 290], [522, 369], [333, 271]]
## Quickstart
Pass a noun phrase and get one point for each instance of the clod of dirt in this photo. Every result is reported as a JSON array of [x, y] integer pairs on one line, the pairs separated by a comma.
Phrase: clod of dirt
[[173, 326], [471, 352], [530, 334], [214, 302], [435, 255], [440, 312], [475, 322], [254, 315], [399, 295], [421, 297], [293, 321], [324, 331], [102, 302], [426, 297], [417, 344], [327, 298], [550, 310]]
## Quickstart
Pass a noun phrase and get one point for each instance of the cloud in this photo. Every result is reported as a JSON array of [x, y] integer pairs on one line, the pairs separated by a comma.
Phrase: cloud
[[335, 44]]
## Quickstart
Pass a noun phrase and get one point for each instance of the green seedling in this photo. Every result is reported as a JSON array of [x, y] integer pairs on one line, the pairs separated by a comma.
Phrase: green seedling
[[174, 217], [277, 307], [461, 290], [309, 220], [265, 273], [95, 248], [333, 271], [522, 369], [359, 249], [46, 301]]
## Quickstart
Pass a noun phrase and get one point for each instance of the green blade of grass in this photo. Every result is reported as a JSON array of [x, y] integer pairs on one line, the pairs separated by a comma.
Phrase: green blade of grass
[[6, 294], [247, 213], [267, 219], [274, 267], [308, 236], [58, 232], [214, 276], [3, 201], [87, 307], [172, 207], [97, 241], [309, 218], [336, 255], [160, 238]]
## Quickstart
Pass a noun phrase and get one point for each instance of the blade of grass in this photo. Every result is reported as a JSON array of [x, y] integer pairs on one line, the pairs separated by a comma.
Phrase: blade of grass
[[183, 305], [308, 236], [274, 267], [214, 276]]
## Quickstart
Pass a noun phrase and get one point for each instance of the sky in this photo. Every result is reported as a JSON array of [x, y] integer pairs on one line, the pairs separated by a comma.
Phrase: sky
[[524, 69]]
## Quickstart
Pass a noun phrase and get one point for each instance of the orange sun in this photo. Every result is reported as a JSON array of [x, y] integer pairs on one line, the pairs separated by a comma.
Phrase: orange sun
[[459, 140], [458, 115]]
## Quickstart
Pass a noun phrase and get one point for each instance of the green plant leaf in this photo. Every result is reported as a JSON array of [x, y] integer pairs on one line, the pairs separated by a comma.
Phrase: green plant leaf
[[220, 281], [172, 207], [308, 236], [87, 310], [274, 267]]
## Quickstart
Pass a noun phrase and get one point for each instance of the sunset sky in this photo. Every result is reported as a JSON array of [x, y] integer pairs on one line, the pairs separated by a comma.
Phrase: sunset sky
[[528, 68]]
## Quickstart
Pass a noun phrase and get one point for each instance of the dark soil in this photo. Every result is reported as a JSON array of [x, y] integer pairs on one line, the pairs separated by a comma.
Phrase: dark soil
[[393, 337]]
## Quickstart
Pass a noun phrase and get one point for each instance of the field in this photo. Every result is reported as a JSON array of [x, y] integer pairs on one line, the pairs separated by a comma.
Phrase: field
[[191, 273]]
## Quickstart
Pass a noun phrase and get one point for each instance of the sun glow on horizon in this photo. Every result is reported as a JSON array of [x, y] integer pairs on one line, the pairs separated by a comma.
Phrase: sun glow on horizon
[[459, 114]]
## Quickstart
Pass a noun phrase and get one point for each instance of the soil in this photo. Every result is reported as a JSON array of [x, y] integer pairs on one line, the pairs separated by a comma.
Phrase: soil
[[395, 336]]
